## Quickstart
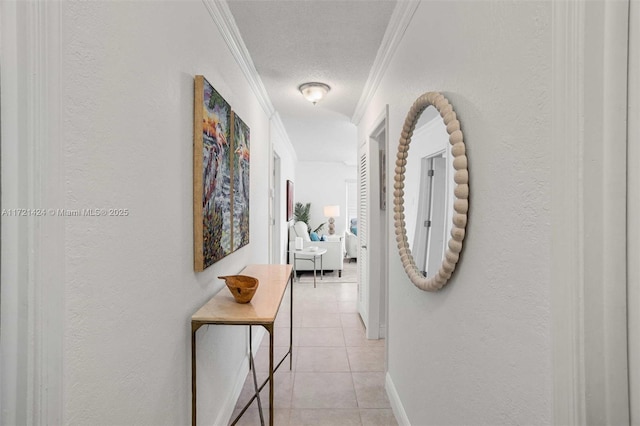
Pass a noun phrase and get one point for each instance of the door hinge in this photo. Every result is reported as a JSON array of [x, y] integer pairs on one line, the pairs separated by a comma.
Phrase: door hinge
[[427, 223], [430, 172]]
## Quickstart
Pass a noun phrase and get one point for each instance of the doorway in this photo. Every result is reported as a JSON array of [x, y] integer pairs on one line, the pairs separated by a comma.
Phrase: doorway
[[275, 212], [373, 229]]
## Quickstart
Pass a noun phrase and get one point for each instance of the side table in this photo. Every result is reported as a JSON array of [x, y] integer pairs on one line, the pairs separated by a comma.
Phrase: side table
[[310, 255]]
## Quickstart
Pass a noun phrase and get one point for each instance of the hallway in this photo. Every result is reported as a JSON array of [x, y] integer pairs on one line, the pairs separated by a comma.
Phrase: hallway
[[338, 375]]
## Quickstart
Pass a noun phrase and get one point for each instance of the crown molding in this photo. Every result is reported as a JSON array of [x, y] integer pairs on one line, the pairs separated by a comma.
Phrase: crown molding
[[398, 24], [222, 17]]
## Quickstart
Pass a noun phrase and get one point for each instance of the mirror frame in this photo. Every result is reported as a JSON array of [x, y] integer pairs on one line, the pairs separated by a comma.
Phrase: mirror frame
[[461, 192]]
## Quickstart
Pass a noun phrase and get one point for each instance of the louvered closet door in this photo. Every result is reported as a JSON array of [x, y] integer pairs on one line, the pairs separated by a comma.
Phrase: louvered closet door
[[363, 232]]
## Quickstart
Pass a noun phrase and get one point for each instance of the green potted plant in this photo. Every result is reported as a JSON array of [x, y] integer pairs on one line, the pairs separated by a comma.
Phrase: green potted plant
[[302, 213]]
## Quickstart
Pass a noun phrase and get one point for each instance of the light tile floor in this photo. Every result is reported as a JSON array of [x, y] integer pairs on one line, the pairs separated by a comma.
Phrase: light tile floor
[[338, 375]]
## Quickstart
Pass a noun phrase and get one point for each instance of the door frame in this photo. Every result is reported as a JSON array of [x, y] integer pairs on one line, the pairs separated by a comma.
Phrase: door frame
[[378, 231], [33, 246], [588, 212], [276, 219], [633, 212], [363, 230]]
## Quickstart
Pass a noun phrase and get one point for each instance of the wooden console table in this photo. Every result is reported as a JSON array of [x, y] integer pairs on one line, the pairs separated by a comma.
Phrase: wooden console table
[[262, 310]]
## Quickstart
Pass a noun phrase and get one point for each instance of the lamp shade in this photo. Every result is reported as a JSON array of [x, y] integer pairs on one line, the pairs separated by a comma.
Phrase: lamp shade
[[331, 211]]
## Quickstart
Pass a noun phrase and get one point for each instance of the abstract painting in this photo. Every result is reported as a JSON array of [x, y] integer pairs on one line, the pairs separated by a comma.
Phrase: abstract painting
[[212, 172], [240, 167]]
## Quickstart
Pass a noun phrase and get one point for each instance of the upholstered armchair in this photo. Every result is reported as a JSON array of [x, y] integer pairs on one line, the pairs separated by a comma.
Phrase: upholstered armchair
[[351, 244]]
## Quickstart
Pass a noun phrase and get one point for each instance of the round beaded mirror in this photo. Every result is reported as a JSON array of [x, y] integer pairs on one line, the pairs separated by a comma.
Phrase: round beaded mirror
[[439, 229]]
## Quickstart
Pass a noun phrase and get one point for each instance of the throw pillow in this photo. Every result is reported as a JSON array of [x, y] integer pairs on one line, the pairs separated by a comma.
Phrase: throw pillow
[[314, 236]]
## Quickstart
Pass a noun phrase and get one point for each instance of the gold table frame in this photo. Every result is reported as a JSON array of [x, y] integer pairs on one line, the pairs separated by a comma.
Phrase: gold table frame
[[262, 310]]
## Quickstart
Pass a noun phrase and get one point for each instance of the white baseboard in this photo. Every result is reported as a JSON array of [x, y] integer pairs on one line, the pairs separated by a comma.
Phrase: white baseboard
[[396, 404], [383, 331], [224, 417]]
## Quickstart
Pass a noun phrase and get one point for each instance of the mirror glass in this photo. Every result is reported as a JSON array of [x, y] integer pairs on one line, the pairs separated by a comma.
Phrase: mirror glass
[[431, 192], [427, 187]]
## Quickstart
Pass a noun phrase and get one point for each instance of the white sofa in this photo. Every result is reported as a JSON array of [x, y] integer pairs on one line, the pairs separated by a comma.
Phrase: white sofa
[[351, 245], [332, 260]]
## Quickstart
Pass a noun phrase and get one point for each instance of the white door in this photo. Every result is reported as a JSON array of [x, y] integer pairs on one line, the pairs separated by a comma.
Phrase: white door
[[363, 231]]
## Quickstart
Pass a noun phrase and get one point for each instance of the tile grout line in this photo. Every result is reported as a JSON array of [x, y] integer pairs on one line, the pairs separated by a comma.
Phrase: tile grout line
[[350, 370], [300, 311]]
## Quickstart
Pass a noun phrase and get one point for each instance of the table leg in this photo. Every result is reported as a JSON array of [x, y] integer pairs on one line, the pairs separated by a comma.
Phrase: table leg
[[314, 271], [295, 274], [194, 329], [252, 367], [291, 325], [321, 267], [270, 329]]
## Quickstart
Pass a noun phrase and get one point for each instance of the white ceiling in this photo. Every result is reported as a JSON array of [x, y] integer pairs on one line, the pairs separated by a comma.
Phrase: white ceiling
[[333, 42]]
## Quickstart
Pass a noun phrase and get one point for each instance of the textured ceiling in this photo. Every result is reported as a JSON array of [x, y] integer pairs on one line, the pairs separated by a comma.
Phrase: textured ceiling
[[334, 42]]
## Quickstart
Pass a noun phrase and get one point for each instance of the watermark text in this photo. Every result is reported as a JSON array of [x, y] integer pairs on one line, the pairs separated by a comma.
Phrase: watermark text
[[88, 212]]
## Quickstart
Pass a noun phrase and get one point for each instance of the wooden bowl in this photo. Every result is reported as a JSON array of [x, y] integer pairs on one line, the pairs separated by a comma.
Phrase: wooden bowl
[[242, 287]]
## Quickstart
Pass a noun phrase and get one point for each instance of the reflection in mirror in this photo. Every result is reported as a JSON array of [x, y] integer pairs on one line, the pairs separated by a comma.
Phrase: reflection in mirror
[[428, 180], [431, 192]]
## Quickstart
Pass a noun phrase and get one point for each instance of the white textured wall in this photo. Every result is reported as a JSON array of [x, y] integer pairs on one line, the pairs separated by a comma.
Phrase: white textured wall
[[324, 184], [127, 108], [478, 352], [288, 160]]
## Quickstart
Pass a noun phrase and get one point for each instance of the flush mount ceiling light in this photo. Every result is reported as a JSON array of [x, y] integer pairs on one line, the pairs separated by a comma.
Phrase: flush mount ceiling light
[[314, 92]]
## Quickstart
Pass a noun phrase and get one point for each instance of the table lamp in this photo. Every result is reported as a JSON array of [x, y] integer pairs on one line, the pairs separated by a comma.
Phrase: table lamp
[[332, 212]]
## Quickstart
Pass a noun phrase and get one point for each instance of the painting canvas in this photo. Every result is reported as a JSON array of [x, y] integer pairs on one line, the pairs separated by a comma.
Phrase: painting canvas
[[240, 167], [289, 200], [212, 176]]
